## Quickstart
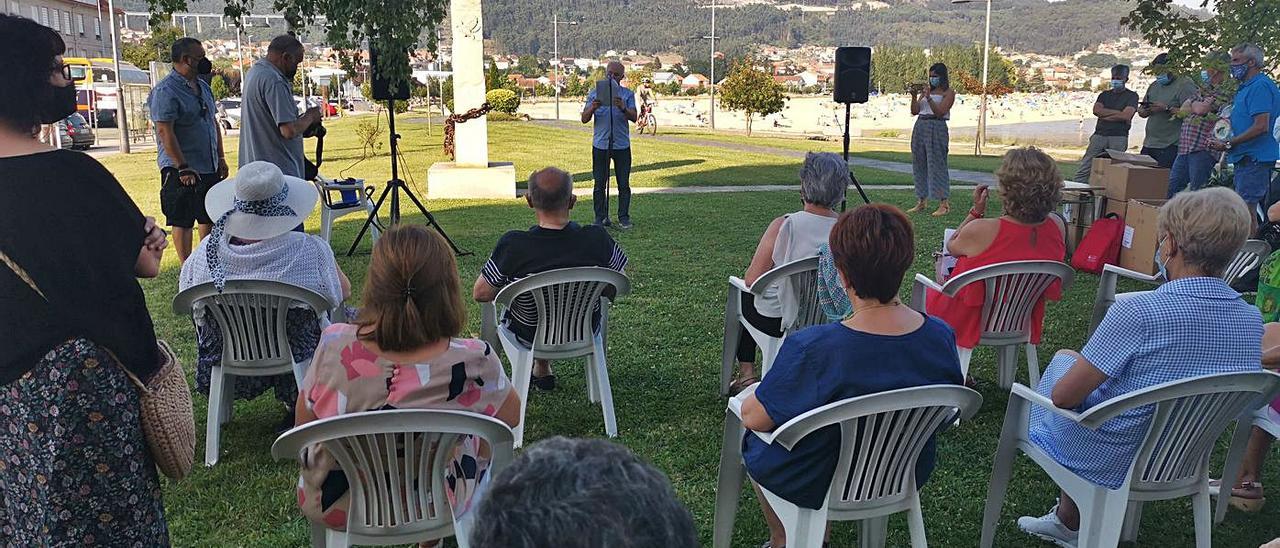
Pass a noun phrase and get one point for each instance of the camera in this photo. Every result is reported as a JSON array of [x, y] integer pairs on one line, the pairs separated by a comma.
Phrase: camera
[[315, 130]]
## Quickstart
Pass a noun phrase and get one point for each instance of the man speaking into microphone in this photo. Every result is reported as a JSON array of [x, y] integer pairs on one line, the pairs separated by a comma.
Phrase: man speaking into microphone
[[612, 142]]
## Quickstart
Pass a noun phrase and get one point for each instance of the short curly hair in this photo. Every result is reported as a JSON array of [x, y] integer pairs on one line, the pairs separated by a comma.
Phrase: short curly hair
[[1030, 184], [27, 61]]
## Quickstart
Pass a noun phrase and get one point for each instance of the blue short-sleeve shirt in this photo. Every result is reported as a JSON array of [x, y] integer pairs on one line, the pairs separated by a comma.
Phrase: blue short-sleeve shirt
[[1186, 328], [619, 128], [193, 114], [1257, 96], [828, 363]]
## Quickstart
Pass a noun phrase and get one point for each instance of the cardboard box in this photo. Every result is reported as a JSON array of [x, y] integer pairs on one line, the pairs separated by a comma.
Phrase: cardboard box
[[1119, 207], [1098, 171], [1125, 176], [1139, 240]]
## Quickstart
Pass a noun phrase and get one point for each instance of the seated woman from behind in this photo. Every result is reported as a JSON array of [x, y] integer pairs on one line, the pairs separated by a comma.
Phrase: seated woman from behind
[[402, 352], [1193, 325], [248, 243], [1030, 188], [882, 346], [791, 237]]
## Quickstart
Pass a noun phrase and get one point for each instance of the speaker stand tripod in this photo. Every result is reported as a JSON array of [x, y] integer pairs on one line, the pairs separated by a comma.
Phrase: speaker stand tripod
[[847, 111], [394, 187]]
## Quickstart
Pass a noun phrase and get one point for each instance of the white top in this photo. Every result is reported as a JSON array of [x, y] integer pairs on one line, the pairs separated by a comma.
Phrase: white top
[[293, 258], [926, 109], [800, 236]]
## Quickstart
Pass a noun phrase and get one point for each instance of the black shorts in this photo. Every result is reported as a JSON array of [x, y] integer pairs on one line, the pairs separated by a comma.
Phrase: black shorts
[[183, 206]]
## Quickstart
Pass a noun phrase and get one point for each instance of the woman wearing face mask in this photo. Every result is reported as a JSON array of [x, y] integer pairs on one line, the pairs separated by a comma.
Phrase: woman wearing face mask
[[931, 105], [1193, 325], [75, 467], [1195, 161]]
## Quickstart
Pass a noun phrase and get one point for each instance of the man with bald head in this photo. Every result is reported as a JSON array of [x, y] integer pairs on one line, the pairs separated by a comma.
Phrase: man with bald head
[[612, 142], [270, 127], [555, 242]]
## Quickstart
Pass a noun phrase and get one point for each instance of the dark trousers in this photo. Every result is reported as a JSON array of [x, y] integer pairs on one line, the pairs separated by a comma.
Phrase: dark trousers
[[600, 172], [1164, 156], [769, 325]]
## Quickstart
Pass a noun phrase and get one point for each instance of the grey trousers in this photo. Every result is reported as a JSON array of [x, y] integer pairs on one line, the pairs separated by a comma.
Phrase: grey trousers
[[929, 143], [1097, 145]]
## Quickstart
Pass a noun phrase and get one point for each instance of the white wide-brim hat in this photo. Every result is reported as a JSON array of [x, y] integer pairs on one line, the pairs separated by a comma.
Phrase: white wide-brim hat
[[255, 184]]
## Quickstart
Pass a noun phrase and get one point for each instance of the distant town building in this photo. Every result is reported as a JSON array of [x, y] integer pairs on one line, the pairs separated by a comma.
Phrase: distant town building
[[694, 81], [83, 24]]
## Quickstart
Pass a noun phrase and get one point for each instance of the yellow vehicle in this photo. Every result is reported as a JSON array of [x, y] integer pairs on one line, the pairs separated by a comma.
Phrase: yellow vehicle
[[135, 83], [82, 75]]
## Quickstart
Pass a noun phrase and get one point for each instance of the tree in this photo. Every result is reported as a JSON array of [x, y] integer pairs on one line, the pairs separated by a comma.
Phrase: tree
[[503, 100], [1098, 60], [157, 47], [751, 90], [220, 88], [529, 66], [1190, 37]]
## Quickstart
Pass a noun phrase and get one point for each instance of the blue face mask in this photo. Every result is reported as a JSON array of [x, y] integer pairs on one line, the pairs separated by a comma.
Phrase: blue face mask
[[935, 81], [1163, 79], [1204, 76], [1117, 84], [1164, 272], [1239, 71]]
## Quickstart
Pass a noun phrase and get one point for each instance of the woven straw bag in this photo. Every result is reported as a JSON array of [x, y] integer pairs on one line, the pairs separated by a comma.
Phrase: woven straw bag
[[167, 417]]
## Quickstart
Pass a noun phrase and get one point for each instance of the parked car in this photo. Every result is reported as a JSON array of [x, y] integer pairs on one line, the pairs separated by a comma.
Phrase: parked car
[[229, 113], [346, 104], [315, 102], [75, 129]]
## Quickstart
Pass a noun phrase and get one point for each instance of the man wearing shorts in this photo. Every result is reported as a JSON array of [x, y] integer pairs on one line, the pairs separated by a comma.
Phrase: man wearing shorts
[[190, 155]]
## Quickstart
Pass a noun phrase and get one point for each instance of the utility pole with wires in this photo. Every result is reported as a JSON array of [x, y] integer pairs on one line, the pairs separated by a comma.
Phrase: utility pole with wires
[[712, 37]]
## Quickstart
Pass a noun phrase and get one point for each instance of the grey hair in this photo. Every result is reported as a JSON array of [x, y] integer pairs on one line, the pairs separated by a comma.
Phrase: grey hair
[[1209, 227], [1120, 71], [824, 179], [579, 493], [1251, 51], [182, 46], [550, 189]]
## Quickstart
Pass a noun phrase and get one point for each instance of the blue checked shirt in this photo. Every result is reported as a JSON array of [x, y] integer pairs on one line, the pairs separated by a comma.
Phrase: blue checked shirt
[[1186, 328]]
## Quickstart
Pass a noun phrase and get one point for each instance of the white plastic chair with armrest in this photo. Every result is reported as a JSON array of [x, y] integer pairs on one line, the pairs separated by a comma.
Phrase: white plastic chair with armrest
[[395, 462], [802, 278], [331, 211], [1012, 290], [875, 473], [252, 317], [565, 300], [1249, 257], [1172, 461], [1239, 444]]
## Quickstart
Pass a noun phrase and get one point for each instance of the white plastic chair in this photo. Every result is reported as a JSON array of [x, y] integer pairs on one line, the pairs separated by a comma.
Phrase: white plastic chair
[[395, 462], [565, 300], [331, 211], [251, 314], [1012, 291], [801, 277], [1240, 443], [875, 473], [1172, 462], [1248, 258]]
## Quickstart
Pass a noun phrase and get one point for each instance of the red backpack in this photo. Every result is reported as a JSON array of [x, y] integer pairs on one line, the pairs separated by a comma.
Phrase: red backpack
[[1100, 246]]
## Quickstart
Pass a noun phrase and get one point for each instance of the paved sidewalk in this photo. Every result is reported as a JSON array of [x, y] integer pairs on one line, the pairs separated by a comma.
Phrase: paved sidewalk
[[871, 189], [957, 175]]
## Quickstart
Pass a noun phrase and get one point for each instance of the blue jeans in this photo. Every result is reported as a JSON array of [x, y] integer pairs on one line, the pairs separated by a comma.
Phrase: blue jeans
[[1253, 179], [1193, 168]]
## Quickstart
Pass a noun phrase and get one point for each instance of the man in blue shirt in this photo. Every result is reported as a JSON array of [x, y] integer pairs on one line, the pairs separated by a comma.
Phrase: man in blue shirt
[[189, 144], [1252, 147], [612, 141]]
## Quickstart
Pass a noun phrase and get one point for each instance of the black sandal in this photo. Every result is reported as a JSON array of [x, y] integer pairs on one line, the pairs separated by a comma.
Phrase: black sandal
[[546, 382], [738, 385]]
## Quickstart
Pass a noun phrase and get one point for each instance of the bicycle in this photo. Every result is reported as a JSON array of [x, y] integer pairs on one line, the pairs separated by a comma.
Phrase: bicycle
[[647, 121]]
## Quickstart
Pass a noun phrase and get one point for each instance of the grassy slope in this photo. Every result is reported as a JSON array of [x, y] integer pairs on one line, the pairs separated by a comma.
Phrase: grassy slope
[[664, 360]]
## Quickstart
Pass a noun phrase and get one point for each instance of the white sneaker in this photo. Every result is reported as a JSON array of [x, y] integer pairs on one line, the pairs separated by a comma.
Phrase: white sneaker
[[1048, 527]]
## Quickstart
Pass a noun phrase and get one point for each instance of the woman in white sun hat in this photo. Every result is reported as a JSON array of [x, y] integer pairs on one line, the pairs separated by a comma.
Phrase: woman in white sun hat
[[252, 239]]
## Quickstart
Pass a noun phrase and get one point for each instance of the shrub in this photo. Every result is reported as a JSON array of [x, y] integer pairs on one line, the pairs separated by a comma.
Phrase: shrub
[[499, 116], [503, 100]]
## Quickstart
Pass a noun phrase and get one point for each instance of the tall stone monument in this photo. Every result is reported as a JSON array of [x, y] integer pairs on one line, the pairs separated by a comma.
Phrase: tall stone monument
[[471, 175]]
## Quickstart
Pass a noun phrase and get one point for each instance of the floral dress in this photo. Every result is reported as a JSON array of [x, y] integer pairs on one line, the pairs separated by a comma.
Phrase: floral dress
[[346, 377], [75, 469]]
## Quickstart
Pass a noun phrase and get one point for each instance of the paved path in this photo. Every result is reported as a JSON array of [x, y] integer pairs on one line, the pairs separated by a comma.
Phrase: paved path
[[957, 175], [871, 189]]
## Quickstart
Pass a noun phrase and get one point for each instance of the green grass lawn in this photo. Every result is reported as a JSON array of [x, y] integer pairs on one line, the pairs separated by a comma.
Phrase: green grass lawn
[[664, 355]]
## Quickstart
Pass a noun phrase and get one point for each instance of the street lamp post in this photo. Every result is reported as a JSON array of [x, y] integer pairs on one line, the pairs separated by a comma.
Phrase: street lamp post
[[122, 121], [982, 108], [712, 37], [555, 47], [240, 54]]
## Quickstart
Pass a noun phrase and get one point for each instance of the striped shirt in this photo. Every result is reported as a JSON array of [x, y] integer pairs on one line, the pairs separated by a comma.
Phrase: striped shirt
[[1197, 130], [519, 254]]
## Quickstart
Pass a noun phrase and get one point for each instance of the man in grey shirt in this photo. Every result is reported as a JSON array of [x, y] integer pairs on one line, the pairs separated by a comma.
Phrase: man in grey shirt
[[270, 127]]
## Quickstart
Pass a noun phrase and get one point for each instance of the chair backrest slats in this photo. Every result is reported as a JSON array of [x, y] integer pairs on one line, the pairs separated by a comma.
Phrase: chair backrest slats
[[804, 291], [881, 450], [565, 300], [1248, 258], [252, 316], [1011, 299]]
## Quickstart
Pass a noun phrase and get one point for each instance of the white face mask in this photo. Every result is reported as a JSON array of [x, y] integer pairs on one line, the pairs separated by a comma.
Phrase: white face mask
[[1160, 263]]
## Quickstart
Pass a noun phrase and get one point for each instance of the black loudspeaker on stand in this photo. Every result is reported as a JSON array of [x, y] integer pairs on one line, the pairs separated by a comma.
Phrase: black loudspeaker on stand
[[853, 85], [382, 92]]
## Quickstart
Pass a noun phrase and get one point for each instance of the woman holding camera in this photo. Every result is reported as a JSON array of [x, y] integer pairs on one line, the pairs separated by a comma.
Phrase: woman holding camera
[[931, 105]]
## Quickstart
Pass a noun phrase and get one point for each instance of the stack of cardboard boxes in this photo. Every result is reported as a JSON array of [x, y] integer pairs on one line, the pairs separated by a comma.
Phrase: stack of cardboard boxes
[[1133, 188]]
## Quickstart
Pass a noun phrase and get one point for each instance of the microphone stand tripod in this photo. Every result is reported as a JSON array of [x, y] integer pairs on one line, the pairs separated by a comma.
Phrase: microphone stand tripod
[[847, 110], [394, 187]]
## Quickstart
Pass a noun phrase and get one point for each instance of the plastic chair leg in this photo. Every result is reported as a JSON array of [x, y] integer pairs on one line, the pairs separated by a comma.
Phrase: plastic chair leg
[[915, 521], [228, 397], [805, 527], [326, 222], [729, 488], [1033, 365], [965, 355], [1201, 509], [1231, 466], [319, 536], [732, 334], [1001, 471], [1006, 365], [1132, 521], [1102, 517], [213, 421], [872, 532], [593, 381], [336, 539], [768, 352], [606, 392], [521, 368]]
